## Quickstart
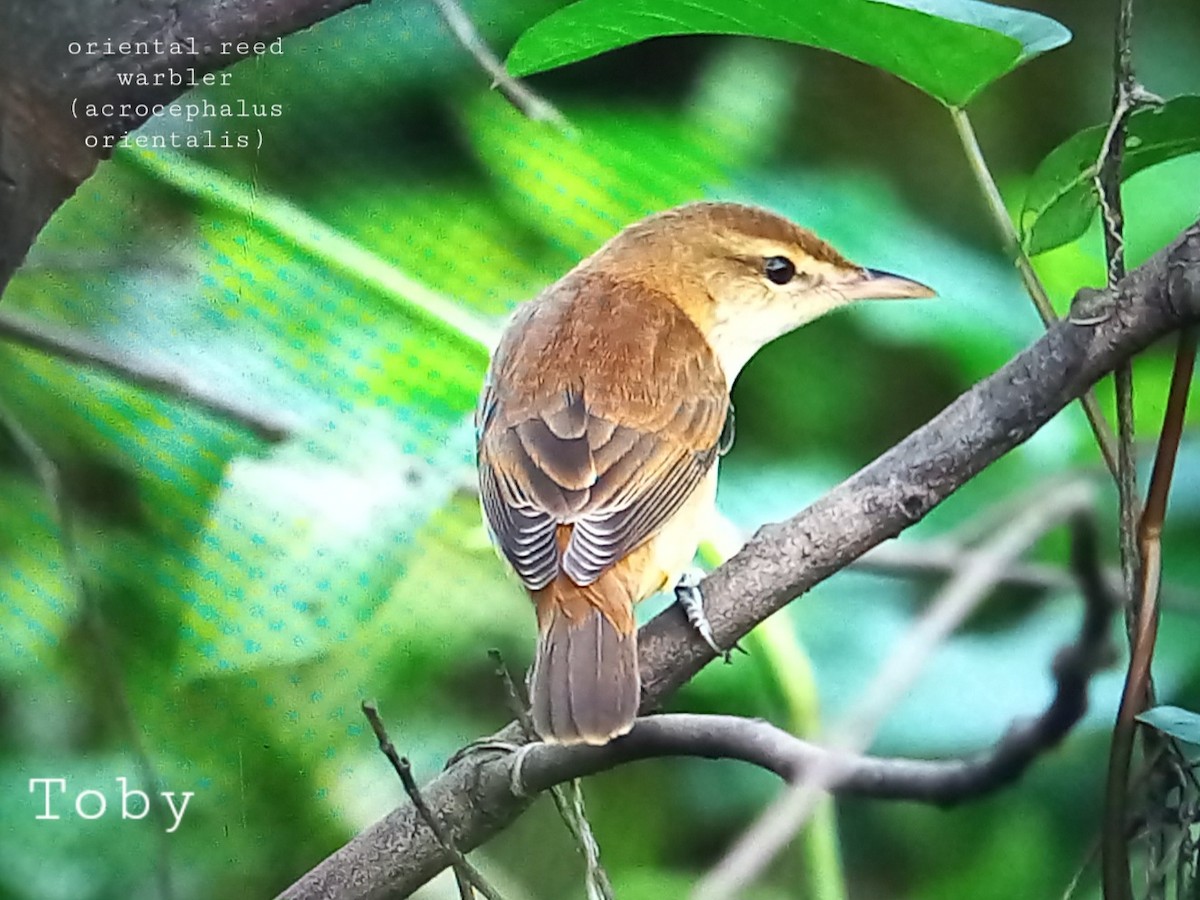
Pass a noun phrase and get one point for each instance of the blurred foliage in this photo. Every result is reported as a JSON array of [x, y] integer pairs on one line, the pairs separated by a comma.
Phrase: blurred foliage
[[254, 594]]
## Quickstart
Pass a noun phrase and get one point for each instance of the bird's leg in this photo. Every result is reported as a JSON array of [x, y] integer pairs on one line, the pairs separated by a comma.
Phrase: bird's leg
[[691, 601]]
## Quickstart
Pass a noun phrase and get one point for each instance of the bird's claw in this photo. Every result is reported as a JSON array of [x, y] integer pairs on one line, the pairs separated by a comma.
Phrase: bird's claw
[[490, 745], [485, 745], [691, 601]]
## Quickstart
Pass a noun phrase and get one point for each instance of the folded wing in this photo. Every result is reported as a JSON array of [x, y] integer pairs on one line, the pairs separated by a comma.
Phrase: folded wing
[[603, 422]]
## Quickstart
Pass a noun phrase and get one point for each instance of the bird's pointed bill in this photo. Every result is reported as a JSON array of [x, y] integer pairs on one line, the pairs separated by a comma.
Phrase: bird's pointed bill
[[874, 284]]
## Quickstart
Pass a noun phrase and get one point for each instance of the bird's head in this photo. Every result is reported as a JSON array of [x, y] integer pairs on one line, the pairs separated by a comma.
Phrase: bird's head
[[745, 276]]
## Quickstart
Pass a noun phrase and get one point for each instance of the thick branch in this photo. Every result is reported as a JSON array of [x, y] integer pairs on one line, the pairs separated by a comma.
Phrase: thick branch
[[397, 854], [45, 68]]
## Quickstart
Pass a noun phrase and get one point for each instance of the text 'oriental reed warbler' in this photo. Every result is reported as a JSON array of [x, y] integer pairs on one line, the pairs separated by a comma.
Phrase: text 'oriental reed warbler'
[[601, 420]]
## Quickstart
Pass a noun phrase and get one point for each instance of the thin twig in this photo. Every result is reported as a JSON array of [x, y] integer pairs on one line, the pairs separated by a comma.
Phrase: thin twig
[[110, 674], [1107, 180], [568, 797], [531, 104], [143, 371], [939, 558], [1117, 879], [464, 869], [1141, 613], [518, 703], [1011, 243], [1089, 857], [854, 733]]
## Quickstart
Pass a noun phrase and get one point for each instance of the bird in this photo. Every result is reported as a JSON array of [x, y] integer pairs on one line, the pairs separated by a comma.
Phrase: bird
[[601, 419]]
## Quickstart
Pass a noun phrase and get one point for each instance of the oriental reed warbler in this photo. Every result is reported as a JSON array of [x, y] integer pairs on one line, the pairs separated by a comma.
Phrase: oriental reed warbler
[[601, 420]]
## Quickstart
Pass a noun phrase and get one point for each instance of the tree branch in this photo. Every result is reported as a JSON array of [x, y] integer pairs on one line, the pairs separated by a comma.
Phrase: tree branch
[[782, 561], [144, 371], [942, 782], [531, 104]]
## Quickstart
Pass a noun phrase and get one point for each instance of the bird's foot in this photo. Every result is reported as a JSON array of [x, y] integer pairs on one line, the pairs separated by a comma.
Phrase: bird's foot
[[691, 601], [484, 745], [491, 745]]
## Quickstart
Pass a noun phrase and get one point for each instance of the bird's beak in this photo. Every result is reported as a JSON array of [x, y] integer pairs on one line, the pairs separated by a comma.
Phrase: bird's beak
[[872, 284]]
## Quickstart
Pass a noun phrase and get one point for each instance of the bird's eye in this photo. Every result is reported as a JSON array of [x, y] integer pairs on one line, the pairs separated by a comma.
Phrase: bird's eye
[[779, 269]]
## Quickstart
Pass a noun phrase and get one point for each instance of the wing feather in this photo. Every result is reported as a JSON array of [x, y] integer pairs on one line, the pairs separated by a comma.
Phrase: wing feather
[[606, 423], [525, 533]]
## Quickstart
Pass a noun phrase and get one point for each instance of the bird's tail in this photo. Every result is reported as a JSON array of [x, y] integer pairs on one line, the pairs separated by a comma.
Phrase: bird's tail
[[585, 686]]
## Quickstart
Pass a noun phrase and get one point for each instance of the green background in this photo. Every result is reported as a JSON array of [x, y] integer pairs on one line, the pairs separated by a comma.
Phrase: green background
[[342, 276]]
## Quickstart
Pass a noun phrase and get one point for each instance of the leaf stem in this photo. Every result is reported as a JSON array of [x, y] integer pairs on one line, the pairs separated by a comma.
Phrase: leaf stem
[[1114, 850], [1011, 243], [1000, 217]]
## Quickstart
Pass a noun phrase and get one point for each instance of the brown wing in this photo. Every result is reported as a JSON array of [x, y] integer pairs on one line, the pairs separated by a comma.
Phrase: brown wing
[[603, 417]]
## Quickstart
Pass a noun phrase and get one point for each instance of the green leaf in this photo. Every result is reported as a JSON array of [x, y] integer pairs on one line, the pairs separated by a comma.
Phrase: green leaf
[[1178, 723], [1061, 198], [950, 49]]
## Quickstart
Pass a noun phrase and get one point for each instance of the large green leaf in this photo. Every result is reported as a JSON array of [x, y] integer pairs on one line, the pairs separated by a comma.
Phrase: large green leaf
[[950, 49], [1061, 198]]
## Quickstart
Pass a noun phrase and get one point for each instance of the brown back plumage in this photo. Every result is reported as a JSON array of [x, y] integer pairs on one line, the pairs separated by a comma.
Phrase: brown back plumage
[[593, 430], [603, 421]]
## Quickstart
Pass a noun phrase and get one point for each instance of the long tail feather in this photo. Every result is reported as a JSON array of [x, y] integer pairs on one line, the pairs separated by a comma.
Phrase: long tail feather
[[585, 686]]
